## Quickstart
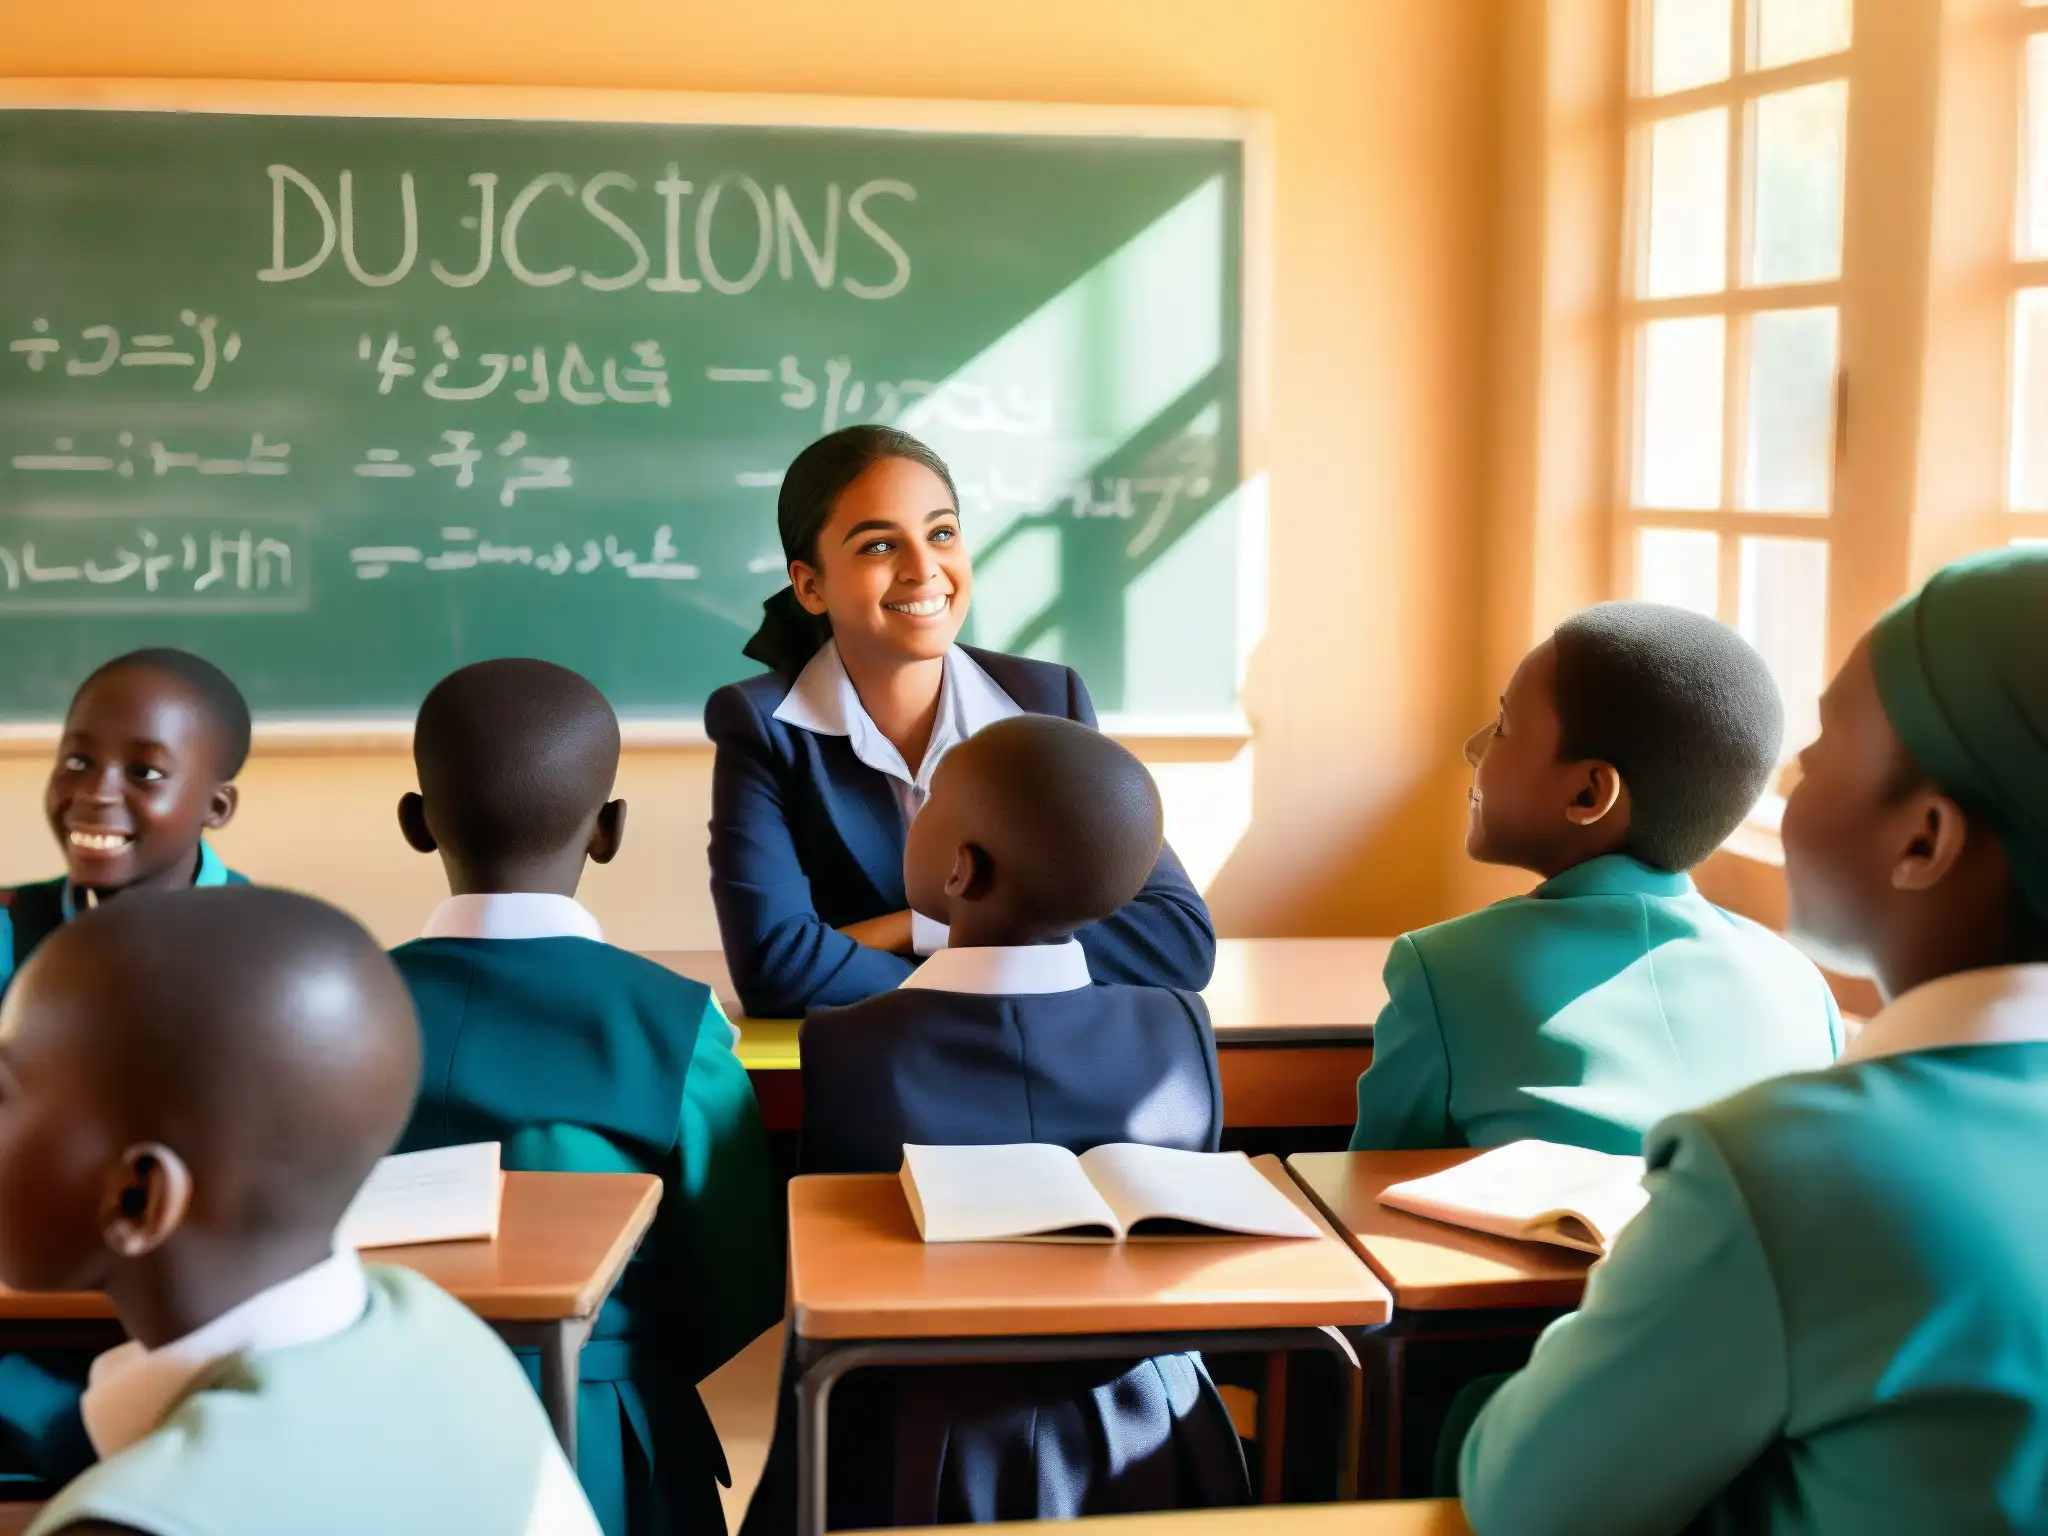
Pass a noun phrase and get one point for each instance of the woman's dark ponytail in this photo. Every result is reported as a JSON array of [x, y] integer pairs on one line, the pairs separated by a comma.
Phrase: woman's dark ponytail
[[790, 635]]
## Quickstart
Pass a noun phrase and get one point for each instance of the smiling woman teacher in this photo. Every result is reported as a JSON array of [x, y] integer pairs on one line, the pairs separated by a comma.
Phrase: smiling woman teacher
[[823, 761]]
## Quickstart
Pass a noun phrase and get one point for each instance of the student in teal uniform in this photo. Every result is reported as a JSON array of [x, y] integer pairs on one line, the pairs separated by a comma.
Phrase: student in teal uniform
[[580, 1056], [1628, 746], [1833, 1314], [193, 1085], [146, 767]]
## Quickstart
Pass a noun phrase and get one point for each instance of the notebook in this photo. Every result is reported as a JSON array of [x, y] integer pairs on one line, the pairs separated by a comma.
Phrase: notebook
[[1539, 1191], [444, 1195], [1028, 1192]]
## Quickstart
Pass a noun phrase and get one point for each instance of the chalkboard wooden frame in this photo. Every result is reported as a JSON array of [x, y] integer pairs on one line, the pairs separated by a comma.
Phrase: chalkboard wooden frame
[[1204, 737]]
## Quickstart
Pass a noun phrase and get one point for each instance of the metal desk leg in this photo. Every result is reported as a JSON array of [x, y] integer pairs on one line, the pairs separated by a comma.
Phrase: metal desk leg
[[561, 1352]]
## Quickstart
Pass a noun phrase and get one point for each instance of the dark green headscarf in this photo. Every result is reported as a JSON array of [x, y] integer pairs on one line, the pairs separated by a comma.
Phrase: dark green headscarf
[[1962, 667]]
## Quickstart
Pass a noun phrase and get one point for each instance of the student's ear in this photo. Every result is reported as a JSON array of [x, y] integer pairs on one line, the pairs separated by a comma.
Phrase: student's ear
[[1936, 846], [1599, 791], [220, 809], [805, 583], [412, 821], [972, 873], [145, 1200], [609, 832]]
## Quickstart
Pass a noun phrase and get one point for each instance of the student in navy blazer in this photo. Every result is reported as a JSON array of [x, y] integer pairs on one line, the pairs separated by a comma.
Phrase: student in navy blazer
[[823, 761]]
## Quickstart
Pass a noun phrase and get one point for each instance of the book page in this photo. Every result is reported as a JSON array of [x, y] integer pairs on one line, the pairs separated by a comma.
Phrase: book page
[[1013, 1191], [1536, 1190], [444, 1195], [1162, 1192]]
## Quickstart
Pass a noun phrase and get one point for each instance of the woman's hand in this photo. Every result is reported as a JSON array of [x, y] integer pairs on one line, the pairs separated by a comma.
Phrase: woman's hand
[[891, 932]]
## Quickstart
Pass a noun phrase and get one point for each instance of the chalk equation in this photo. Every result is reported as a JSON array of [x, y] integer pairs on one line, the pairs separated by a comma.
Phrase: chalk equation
[[641, 381], [839, 398], [465, 549], [100, 349], [118, 564], [525, 471], [67, 458]]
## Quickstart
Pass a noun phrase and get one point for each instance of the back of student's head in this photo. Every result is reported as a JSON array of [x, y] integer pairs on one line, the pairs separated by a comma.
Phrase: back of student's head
[[514, 758], [1072, 820], [220, 702], [1684, 708], [260, 1035]]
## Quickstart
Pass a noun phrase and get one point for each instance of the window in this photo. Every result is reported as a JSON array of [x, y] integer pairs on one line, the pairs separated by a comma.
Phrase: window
[[1732, 316], [2025, 504]]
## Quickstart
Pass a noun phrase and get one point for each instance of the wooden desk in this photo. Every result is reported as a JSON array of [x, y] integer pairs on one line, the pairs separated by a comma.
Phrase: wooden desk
[[1293, 1024], [1414, 1517], [563, 1241], [1448, 1283], [865, 1290]]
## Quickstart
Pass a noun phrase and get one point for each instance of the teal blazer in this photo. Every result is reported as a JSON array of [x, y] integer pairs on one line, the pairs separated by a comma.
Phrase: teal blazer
[[1584, 1012], [582, 1057], [1832, 1317]]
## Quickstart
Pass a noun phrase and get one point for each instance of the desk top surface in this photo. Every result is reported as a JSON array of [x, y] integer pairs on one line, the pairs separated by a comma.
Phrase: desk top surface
[[858, 1270], [563, 1239], [1265, 992], [1408, 1517], [1428, 1265]]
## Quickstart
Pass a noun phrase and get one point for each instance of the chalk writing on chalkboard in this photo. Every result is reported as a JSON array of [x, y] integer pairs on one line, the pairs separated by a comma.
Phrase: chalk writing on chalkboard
[[71, 565], [102, 349]]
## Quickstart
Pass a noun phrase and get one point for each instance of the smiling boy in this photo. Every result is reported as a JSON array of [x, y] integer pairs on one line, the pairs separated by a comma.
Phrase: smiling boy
[[1628, 746], [146, 767]]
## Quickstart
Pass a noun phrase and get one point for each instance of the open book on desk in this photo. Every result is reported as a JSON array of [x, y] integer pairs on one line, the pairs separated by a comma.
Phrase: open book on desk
[[444, 1195], [1028, 1192], [1539, 1191]]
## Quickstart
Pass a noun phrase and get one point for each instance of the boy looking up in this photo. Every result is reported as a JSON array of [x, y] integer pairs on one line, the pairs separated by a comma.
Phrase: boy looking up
[[193, 1085], [579, 1056], [1628, 746], [1830, 1316], [146, 767], [1036, 827]]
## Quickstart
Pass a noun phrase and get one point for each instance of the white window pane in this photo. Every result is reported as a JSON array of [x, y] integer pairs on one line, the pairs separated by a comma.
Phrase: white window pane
[[1790, 30], [1688, 233], [2029, 424], [1785, 616], [1791, 407], [1689, 42], [1680, 566], [1678, 446], [2033, 230], [1797, 236]]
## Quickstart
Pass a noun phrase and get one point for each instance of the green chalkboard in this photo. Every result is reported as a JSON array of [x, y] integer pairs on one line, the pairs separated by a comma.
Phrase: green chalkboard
[[342, 402]]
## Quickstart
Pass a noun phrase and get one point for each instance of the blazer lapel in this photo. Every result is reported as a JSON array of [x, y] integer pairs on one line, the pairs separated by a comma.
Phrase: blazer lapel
[[863, 810]]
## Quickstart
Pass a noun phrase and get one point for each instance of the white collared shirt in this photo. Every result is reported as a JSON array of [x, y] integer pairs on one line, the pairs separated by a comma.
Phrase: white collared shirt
[[2000, 1005], [130, 1389], [1005, 970], [825, 703], [513, 915]]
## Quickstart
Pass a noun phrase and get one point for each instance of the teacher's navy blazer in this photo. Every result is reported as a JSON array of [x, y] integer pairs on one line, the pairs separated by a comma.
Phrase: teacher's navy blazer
[[806, 838]]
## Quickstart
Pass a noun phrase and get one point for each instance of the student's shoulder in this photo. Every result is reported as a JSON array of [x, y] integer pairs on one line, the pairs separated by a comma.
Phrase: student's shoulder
[[564, 957], [747, 705], [1037, 687]]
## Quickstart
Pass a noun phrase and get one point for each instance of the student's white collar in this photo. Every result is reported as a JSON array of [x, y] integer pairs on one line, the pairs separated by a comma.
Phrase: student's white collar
[[1011, 970], [2002, 1005], [825, 703], [513, 915], [130, 1390]]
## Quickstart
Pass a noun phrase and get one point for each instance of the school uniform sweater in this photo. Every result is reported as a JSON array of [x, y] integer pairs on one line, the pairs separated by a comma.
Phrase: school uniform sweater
[[581, 1057], [1831, 1316], [985, 1046], [1611, 996]]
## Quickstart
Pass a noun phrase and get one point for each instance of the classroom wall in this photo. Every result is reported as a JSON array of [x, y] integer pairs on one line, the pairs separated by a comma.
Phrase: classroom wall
[[1346, 813]]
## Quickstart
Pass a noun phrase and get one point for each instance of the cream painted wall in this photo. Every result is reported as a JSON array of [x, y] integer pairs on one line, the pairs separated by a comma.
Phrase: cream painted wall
[[1351, 799]]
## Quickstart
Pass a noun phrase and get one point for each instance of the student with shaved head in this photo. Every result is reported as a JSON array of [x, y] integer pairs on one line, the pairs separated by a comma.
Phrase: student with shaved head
[[580, 1056], [1036, 827], [193, 1085]]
